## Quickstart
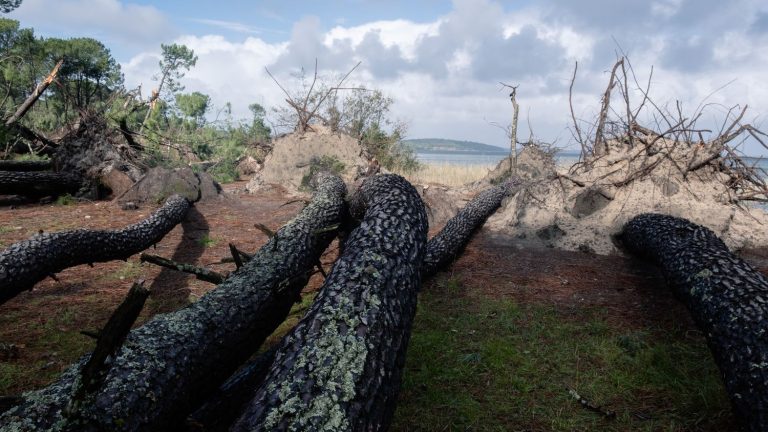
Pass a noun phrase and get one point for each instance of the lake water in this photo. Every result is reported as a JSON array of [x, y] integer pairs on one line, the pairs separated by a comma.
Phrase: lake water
[[563, 159]]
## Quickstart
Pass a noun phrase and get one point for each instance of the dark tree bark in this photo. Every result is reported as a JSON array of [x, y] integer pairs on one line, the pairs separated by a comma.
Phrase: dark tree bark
[[727, 297], [340, 368], [451, 240], [223, 407], [168, 366], [109, 340], [25, 165], [38, 183], [25, 263]]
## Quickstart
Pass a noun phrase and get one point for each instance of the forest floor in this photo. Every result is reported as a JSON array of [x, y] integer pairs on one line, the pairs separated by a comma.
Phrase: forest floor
[[498, 339]]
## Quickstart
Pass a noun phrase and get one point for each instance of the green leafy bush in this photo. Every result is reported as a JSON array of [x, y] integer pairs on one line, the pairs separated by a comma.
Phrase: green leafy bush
[[323, 163]]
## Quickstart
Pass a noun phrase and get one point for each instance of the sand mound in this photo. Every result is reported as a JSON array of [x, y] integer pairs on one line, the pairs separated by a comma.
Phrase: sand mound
[[581, 208], [293, 154]]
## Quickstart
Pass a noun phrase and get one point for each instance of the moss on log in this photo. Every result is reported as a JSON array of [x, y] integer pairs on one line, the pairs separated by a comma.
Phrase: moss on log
[[340, 368], [38, 183], [727, 298], [451, 240], [167, 367], [25, 263]]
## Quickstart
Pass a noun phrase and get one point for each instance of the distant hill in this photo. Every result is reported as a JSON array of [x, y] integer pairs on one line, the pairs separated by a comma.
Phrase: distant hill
[[440, 145]]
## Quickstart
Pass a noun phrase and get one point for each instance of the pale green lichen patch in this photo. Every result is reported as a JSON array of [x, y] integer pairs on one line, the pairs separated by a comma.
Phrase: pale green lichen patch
[[340, 359], [334, 363]]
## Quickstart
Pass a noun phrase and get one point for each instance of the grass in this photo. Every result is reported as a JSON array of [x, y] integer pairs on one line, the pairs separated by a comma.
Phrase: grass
[[128, 271], [56, 344], [65, 200], [323, 163], [478, 363], [206, 241], [475, 363], [448, 174]]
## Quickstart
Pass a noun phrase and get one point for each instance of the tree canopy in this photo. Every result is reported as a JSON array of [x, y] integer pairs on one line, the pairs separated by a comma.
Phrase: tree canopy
[[7, 6]]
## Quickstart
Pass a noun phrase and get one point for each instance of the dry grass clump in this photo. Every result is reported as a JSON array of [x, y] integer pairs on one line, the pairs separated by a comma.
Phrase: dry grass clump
[[448, 174]]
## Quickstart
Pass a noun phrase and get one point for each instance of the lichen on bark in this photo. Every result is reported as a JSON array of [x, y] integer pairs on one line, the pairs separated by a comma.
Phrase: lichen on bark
[[27, 262], [726, 296], [448, 243], [168, 366], [340, 368]]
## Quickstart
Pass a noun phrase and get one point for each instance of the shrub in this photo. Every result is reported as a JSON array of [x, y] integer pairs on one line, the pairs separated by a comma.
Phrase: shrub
[[316, 165]]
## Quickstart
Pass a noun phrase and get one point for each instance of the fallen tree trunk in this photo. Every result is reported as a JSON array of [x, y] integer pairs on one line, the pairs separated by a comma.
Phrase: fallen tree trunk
[[38, 183], [449, 242], [25, 165], [727, 297], [25, 263], [340, 368], [168, 366]]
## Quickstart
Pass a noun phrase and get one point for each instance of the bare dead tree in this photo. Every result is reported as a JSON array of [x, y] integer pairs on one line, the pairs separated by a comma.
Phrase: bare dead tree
[[601, 146], [307, 105], [576, 128], [512, 131]]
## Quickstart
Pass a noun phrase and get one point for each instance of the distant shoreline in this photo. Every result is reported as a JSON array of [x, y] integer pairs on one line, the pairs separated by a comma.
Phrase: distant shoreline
[[463, 152]]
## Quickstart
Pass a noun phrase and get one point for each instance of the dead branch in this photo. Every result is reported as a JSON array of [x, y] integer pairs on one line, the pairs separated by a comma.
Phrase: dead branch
[[303, 110], [201, 273], [589, 405], [601, 147], [577, 129], [513, 126], [236, 255], [110, 339]]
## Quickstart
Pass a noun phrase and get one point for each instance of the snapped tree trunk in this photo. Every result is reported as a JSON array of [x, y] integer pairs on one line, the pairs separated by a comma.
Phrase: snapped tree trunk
[[38, 183], [39, 90], [25, 165], [727, 297], [451, 240], [340, 368], [25, 263], [167, 367]]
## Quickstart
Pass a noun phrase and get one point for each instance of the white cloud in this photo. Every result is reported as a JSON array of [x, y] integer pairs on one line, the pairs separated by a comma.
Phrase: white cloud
[[104, 19], [444, 74], [666, 8], [227, 71], [401, 33], [229, 25]]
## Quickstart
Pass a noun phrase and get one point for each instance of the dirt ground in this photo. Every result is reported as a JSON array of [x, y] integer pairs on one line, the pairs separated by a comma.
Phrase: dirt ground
[[39, 330]]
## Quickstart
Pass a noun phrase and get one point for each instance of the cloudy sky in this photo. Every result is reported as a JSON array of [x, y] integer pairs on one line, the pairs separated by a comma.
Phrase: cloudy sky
[[442, 61]]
